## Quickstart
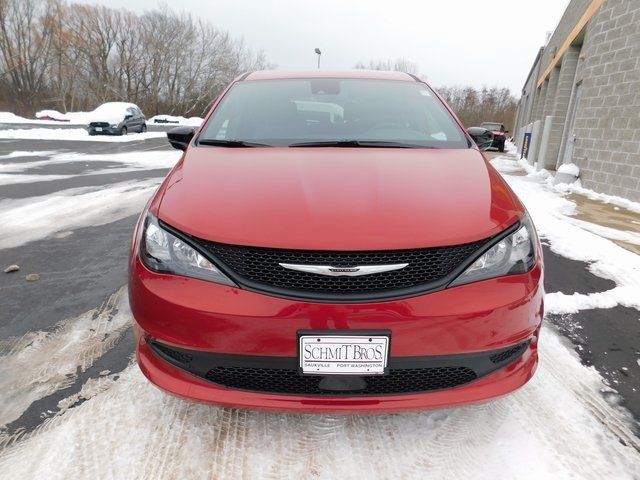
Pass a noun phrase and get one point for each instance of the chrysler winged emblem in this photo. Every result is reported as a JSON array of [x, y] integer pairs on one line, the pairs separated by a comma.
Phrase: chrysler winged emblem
[[344, 271]]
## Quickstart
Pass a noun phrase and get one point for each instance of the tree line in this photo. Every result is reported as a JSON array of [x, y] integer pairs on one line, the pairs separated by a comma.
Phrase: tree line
[[73, 57], [472, 105]]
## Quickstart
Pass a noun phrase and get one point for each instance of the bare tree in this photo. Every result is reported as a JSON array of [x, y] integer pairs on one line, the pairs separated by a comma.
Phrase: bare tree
[[74, 56], [25, 45], [400, 64], [475, 106]]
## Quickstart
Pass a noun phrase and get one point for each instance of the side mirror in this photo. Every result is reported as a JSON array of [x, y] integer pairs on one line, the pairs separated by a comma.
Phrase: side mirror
[[180, 137], [506, 131], [128, 116], [482, 137]]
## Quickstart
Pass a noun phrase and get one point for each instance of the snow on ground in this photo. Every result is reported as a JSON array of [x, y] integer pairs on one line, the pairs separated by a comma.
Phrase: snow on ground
[[83, 118], [9, 179], [8, 117], [12, 173], [577, 240], [569, 168], [40, 363], [601, 197], [31, 153], [26, 220], [558, 426], [130, 161], [77, 134], [72, 118], [170, 119]]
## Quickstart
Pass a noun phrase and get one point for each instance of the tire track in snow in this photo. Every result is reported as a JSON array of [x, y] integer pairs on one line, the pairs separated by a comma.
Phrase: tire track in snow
[[43, 362], [132, 430]]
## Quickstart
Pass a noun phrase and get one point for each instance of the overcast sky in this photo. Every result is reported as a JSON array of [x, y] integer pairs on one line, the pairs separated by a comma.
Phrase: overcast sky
[[451, 41]]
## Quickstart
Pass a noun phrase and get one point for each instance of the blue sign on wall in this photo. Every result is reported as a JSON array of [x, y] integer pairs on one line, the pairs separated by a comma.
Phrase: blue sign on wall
[[525, 145]]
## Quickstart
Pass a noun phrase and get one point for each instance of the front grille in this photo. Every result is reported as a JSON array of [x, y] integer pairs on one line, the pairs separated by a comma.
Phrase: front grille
[[289, 381], [99, 124], [259, 268]]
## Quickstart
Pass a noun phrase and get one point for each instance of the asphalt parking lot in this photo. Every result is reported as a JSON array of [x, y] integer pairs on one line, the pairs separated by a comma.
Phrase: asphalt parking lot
[[71, 213]]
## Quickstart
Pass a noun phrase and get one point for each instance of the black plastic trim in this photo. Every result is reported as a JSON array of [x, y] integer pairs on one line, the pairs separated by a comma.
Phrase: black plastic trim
[[202, 362]]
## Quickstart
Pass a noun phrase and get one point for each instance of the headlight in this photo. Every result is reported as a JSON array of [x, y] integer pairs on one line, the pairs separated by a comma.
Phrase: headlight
[[163, 252], [115, 125], [511, 255]]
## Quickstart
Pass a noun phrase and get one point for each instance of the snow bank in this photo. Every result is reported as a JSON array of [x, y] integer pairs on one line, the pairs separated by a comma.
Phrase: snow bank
[[8, 117], [112, 112], [569, 169], [35, 218], [602, 197], [583, 241], [72, 118], [191, 121], [52, 115], [104, 112], [75, 134]]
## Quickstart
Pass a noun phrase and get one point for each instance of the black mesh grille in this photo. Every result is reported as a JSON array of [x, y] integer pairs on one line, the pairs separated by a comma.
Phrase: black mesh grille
[[174, 354], [507, 354], [399, 381], [260, 266]]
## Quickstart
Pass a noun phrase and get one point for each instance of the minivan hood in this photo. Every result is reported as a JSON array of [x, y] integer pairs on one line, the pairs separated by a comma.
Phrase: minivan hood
[[337, 198]]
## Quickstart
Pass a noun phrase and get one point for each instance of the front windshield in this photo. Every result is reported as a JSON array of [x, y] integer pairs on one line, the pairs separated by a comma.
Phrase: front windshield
[[297, 111], [494, 127]]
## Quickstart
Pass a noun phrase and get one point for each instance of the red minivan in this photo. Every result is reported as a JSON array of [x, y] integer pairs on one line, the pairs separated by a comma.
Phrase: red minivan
[[334, 242]]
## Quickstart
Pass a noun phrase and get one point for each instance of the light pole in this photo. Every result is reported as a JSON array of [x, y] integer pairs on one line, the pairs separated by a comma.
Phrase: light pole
[[319, 53]]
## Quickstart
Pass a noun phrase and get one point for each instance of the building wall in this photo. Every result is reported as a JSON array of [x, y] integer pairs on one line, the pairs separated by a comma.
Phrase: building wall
[[604, 61], [607, 126]]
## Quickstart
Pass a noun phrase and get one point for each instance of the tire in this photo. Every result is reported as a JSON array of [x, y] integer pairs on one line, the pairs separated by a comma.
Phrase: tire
[[123, 130], [143, 128], [501, 147]]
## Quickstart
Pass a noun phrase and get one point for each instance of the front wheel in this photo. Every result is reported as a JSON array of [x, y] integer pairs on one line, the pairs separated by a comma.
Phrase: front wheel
[[501, 147], [123, 130], [143, 128]]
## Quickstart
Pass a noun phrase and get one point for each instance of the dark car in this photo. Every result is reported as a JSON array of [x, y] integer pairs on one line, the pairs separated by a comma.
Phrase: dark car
[[117, 118], [499, 134]]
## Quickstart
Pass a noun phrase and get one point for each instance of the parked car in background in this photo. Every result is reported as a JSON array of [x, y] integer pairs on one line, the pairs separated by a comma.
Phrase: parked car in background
[[482, 137], [117, 118], [499, 134]]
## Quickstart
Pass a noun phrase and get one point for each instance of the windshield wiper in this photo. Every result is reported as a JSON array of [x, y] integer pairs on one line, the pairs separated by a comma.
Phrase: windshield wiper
[[230, 143], [357, 144]]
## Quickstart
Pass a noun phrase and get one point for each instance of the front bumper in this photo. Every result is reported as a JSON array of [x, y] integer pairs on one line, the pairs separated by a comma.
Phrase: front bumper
[[104, 130], [201, 316], [498, 141]]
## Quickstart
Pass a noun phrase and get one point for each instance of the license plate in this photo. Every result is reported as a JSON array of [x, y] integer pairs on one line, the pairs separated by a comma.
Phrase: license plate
[[344, 355], [98, 129]]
